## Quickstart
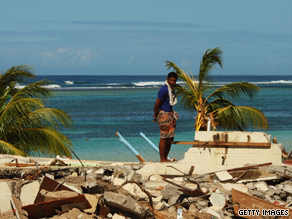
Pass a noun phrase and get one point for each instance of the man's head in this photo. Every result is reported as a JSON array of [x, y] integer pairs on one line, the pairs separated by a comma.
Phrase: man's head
[[171, 78]]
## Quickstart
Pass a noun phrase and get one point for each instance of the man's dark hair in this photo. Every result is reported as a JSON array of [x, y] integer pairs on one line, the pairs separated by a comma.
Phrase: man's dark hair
[[172, 75]]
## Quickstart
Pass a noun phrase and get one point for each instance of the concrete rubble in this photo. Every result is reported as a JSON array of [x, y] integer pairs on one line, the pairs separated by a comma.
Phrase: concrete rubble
[[120, 190]]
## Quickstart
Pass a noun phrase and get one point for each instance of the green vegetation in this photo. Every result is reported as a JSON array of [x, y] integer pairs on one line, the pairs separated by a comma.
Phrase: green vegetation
[[26, 126], [215, 104]]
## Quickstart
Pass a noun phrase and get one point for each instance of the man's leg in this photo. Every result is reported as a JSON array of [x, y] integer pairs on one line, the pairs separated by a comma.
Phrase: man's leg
[[164, 148], [168, 146]]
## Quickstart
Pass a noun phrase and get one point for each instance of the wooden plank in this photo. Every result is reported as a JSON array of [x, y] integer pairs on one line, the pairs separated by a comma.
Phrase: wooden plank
[[262, 208], [223, 144]]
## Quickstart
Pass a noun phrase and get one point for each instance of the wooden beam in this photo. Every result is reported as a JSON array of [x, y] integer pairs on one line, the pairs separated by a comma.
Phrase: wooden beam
[[223, 144]]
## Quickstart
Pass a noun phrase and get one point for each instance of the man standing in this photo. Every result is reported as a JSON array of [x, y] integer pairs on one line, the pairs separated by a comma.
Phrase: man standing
[[165, 116]]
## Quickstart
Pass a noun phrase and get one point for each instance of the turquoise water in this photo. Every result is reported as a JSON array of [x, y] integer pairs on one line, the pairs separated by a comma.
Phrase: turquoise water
[[100, 108]]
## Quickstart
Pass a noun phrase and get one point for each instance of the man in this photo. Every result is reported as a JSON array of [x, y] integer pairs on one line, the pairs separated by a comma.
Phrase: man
[[165, 116]]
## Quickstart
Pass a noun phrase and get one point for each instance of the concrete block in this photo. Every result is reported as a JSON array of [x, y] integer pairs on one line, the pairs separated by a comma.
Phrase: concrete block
[[155, 192], [287, 188], [5, 195], [117, 216], [223, 176], [50, 196], [169, 191], [200, 204], [29, 192], [262, 186], [214, 211], [131, 175], [173, 199], [191, 186], [155, 184], [99, 171], [118, 181], [218, 199], [157, 199], [124, 202], [93, 200], [160, 206], [237, 186], [155, 177], [135, 190], [73, 187]]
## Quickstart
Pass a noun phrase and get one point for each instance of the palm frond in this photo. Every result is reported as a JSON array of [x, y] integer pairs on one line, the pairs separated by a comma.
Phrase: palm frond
[[19, 108], [210, 58], [235, 90], [233, 117], [47, 141], [6, 148], [47, 117], [35, 89]]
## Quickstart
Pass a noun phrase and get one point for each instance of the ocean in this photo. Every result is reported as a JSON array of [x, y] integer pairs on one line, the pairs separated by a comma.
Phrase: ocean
[[100, 106]]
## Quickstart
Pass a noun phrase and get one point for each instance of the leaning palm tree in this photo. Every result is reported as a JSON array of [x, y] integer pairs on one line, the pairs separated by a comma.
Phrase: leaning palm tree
[[215, 105], [26, 125]]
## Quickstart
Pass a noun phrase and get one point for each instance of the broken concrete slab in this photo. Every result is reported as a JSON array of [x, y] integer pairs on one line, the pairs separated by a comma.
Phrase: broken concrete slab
[[118, 181], [117, 216], [238, 186], [5, 196], [223, 176], [50, 196], [29, 192], [160, 206], [261, 186], [135, 191], [218, 199], [155, 184], [168, 191], [173, 200], [93, 201], [124, 203]]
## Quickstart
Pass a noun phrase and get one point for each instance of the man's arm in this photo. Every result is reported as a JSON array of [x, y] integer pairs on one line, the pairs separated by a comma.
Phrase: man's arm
[[156, 108]]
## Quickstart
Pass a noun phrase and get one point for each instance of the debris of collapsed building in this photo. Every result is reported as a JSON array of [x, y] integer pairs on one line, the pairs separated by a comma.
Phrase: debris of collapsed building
[[118, 191]]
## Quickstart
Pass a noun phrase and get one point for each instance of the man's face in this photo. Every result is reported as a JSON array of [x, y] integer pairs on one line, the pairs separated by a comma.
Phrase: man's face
[[171, 81]]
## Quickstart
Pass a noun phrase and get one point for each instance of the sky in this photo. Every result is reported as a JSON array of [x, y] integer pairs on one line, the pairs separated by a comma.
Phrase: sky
[[130, 37]]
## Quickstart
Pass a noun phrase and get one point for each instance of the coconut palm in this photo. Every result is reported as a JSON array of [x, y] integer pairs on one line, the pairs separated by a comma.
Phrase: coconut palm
[[26, 125], [215, 104]]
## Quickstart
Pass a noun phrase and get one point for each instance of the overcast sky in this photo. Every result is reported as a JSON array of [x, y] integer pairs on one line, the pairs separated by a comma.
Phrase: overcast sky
[[130, 37]]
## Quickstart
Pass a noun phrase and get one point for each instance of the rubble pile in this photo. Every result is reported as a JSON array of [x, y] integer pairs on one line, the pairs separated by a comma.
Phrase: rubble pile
[[119, 191]]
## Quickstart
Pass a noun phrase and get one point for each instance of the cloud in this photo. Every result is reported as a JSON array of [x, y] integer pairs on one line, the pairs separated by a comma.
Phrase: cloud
[[66, 56]]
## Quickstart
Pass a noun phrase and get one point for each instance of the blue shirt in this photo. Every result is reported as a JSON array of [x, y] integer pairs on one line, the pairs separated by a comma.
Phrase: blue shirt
[[164, 97]]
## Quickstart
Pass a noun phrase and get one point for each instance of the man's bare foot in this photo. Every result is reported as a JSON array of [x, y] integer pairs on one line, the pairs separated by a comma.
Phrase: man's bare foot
[[167, 160]]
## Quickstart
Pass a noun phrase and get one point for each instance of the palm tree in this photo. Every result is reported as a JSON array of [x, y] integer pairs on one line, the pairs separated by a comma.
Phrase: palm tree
[[26, 125], [215, 104]]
